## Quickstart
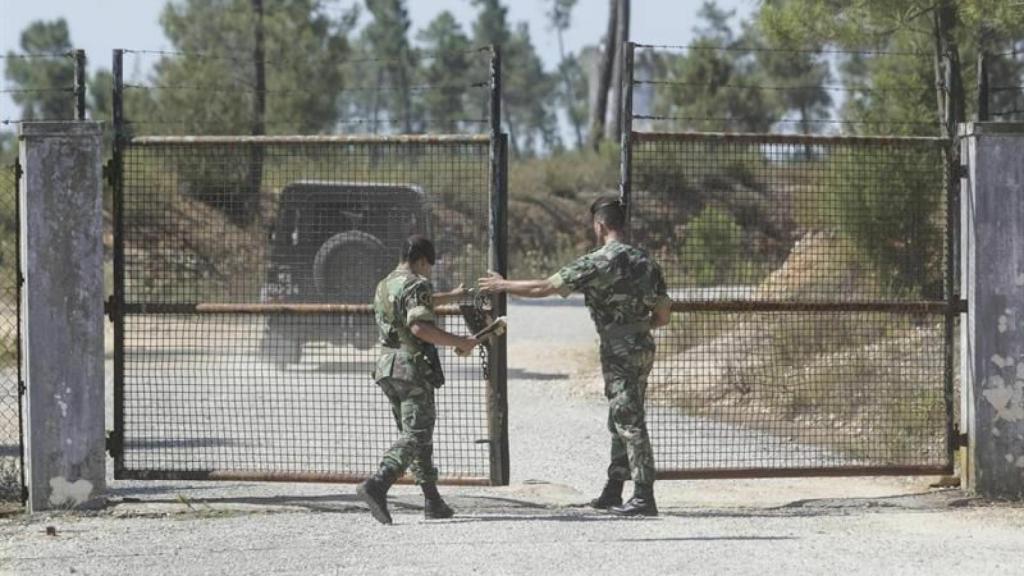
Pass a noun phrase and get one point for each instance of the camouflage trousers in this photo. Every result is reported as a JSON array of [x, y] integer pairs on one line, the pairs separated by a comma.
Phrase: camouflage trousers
[[412, 405], [626, 363]]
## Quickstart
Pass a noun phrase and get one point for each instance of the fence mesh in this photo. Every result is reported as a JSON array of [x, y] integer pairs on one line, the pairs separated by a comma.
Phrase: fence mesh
[[288, 393], [10, 399], [810, 278]]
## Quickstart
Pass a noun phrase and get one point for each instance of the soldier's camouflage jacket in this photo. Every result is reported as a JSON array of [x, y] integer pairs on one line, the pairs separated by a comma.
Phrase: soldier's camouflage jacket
[[402, 298], [622, 286]]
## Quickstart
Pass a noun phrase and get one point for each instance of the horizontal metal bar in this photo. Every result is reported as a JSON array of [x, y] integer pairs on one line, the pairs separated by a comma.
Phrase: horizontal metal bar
[[796, 139], [314, 139], [910, 307], [830, 472], [269, 309], [303, 477]]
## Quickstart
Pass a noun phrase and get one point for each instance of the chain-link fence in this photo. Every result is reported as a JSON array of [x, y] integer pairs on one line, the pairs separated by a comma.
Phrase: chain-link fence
[[814, 313], [10, 396], [247, 269]]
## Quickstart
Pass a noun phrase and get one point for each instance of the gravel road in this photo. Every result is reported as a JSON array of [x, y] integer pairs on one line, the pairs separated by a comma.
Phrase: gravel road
[[538, 524]]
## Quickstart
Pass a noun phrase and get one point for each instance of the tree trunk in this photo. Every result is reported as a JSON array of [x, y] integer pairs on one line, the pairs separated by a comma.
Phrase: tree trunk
[[375, 105], [403, 86], [984, 44], [600, 109], [250, 204], [949, 79], [614, 127], [570, 93], [805, 128]]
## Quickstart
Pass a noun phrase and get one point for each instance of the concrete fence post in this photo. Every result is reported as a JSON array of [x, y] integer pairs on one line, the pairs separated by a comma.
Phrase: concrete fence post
[[62, 319], [993, 284]]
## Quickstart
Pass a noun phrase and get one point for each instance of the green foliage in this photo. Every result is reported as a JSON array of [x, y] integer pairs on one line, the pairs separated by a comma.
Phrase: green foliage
[[386, 37], [49, 81], [448, 68], [895, 92], [528, 91], [713, 248], [891, 205], [716, 80], [214, 81], [796, 80]]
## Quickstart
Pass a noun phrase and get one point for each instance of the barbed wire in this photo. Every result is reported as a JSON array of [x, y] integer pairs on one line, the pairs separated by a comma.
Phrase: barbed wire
[[755, 49], [248, 61], [37, 90], [30, 56], [784, 121], [234, 88], [830, 87]]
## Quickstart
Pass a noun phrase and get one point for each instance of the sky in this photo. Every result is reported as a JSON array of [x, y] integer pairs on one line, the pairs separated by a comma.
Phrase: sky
[[99, 26]]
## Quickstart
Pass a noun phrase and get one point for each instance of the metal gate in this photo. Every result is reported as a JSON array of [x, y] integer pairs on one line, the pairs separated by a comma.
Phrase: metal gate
[[243, 268], [813, 288], [12, 453]]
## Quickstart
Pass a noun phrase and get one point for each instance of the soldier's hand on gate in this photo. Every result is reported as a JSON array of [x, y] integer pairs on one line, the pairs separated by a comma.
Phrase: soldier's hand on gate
[[493, 282], [466, 346]]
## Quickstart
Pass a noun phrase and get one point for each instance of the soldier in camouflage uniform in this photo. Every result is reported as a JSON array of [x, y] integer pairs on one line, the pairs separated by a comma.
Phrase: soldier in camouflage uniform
[[408, 370], [626, 294]]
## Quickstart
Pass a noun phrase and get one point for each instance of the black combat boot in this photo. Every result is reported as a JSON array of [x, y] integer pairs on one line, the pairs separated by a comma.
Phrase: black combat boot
[[610, 496], [434, 507], [641, 504], [374, 491]]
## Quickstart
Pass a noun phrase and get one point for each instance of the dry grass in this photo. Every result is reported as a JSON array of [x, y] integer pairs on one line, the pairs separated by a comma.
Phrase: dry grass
[[868, 384]]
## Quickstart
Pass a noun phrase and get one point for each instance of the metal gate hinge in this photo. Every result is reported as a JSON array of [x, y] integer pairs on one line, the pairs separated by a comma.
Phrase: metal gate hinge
[[960, 441], [964, 171], [21, 387], [114, 445], [110, 308], [108, 171]]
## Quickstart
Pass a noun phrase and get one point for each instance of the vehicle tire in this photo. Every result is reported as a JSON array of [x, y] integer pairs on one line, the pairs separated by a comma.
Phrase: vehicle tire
[[348, 266]]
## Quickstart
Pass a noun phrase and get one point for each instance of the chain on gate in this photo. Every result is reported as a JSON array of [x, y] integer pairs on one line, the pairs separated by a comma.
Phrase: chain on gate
[[478, 316]]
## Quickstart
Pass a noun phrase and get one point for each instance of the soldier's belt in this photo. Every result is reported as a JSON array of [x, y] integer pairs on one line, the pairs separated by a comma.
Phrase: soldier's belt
[[617, 330]]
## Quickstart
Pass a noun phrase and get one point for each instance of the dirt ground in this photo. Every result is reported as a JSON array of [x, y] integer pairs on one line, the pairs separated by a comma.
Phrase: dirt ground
[[538, 524]]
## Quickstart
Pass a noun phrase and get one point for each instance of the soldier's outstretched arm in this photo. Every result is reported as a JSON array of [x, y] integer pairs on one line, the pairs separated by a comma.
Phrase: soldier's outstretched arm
[[442, 298], [432, 334], [496, 283]]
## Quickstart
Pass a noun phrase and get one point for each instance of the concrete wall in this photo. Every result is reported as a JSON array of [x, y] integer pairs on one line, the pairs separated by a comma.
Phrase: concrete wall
[[993, 279], [62, 314]]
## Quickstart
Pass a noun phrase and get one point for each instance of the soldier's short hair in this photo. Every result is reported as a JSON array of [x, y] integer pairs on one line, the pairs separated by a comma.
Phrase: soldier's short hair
[[417, 247], [610, 211]]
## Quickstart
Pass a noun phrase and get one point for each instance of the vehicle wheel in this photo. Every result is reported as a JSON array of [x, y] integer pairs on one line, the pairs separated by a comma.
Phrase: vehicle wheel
[[348, 266]]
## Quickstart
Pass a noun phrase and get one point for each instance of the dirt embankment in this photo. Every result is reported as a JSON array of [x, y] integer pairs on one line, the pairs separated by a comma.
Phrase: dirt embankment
[[867, 383]]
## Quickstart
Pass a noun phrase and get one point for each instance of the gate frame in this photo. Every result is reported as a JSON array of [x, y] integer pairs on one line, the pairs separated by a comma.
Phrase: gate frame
[[116, 308], [19, 282], [951, 306]]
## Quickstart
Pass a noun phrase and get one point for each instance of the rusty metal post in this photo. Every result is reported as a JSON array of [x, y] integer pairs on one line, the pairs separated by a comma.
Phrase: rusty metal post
[[19, 283], [80, 84], [626, 136], [498, 262], [115, 309]]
